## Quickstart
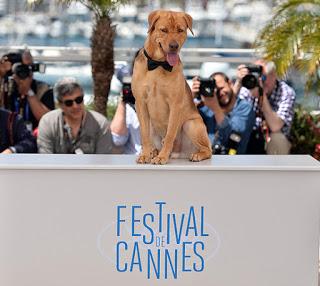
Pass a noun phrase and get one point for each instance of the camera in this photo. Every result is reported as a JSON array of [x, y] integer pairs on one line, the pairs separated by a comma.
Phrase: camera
[[127, 96], [251, 80], [20, 69], [23, 71], [230, 147], [207, 87], [233, 143], [38, 67]]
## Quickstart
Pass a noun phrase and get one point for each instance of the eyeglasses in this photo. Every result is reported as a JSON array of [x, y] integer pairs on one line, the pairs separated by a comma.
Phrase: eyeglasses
[[69, 102]]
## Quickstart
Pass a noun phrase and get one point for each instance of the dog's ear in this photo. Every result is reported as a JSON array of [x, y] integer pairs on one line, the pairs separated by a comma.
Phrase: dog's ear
[[152, 19], [188, 20]]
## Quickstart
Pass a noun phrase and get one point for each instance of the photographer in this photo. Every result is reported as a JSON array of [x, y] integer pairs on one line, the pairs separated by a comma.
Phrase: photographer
[[224, 113], [125, 126], [28, 97], [273, 101]]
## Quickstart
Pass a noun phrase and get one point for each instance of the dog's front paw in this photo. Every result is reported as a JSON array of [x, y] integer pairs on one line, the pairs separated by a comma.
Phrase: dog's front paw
[[146, 157], [199, 156], [159, 160]]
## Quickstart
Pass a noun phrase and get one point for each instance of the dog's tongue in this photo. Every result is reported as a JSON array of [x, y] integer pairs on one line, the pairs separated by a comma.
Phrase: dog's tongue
[[172, 59]]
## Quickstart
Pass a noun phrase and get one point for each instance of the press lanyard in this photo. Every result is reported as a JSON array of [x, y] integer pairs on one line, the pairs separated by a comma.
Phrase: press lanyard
[[68, 134], [22, 107]]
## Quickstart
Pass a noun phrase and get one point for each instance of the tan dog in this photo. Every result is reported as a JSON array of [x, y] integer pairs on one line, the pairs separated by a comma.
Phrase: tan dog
[[168, 117]]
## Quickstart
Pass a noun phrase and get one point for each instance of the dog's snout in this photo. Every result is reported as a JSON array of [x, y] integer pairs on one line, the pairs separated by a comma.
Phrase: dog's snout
[[173, 46]]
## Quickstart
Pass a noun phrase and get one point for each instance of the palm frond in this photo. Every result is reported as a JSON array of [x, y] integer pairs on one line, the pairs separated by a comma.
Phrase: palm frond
[[292, 37], [298, 5]]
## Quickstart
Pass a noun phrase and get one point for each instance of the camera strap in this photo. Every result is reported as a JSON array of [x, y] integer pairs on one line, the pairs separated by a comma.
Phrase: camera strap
[[67, 133], [22, 107]]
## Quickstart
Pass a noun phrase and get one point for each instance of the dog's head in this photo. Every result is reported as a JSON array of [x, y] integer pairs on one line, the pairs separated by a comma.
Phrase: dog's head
[[169, 31]]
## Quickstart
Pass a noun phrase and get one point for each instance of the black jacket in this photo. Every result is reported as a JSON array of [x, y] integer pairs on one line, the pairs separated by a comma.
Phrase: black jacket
[[13, 133]]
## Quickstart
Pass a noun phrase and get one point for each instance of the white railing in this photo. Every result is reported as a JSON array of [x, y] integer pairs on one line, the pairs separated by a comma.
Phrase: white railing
[[83, 54]]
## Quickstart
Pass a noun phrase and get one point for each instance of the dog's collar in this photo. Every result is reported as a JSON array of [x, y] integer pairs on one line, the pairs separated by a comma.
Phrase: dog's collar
[[152, 64]]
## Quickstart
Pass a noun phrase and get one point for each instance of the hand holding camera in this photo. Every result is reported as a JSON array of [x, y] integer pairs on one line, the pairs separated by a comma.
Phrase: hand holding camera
[[250, 76], [205, 92], [203, 87], [127, 96]]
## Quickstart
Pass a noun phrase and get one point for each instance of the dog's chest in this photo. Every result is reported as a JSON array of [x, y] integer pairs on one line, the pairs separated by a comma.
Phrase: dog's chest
[[158, 90]]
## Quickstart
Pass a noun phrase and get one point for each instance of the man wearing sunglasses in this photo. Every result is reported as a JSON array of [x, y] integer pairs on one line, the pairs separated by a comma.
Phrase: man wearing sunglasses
[[71, 129], [274, 107]]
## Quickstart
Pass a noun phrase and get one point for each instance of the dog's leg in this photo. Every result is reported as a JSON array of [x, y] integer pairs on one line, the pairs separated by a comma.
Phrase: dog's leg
[[173, 126], [197, 133], [148, 151]]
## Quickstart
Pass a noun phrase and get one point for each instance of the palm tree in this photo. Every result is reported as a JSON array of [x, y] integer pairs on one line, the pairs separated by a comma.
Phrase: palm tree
[[292, 38], [102, 57]]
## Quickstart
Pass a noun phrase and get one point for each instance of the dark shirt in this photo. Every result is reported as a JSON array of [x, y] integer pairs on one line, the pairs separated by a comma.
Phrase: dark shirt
[[22, 107], [23, 141]]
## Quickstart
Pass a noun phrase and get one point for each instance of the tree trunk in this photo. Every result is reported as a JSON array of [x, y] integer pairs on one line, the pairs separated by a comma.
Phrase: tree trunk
[[102, 61]]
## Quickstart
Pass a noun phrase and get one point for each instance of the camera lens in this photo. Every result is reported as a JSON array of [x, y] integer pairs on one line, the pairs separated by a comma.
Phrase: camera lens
[[22, 71], [249, 81]]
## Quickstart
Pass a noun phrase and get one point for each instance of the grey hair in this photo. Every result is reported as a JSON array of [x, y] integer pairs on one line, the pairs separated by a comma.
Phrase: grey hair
[[65, 86], [270, 67]]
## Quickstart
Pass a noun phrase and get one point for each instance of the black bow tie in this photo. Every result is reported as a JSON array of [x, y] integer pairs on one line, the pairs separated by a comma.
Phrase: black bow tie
[[152, 64]]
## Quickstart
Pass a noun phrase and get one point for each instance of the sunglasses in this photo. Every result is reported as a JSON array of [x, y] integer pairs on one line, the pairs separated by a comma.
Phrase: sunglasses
[[69, 102]]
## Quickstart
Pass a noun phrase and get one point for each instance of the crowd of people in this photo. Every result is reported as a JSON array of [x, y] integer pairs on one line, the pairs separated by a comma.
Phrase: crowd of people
[[249, 115]]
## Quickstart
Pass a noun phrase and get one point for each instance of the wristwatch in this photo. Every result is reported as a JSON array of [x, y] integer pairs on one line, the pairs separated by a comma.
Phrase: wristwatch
[[30, 93], [13, 149]]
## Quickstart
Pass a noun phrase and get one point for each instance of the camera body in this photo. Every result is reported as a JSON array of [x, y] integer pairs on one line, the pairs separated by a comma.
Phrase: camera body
[[251, 80], [231, 146], [20, 69], [207, 87], [127, 96], [23, 71]]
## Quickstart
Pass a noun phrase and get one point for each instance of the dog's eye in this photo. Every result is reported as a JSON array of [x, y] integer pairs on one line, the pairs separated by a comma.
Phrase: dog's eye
[[180, 30], [164, 30]]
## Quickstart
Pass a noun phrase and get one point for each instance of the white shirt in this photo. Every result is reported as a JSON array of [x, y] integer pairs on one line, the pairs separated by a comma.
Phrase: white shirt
[[131, 141]]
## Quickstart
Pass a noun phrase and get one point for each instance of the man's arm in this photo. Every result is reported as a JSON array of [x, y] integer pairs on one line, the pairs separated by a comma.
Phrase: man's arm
[[284, 114], [118, 126], [45, 104], [37, 107], [242, 71], [274, 122], [213, 104]]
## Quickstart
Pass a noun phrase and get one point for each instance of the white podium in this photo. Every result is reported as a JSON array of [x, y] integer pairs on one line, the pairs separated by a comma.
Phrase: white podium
[[79, 220]]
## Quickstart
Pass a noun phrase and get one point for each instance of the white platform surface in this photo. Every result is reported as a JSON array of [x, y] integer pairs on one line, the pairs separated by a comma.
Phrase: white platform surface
[[219, 162]]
